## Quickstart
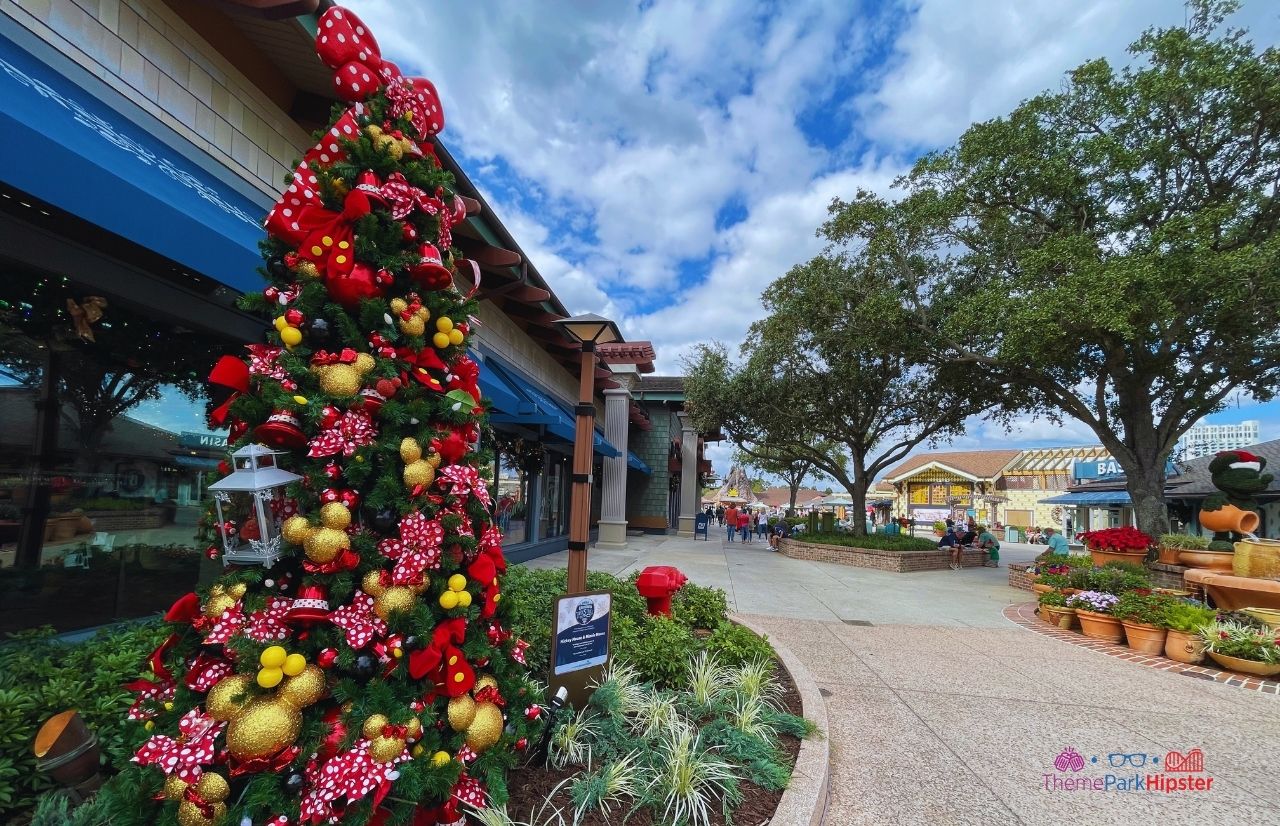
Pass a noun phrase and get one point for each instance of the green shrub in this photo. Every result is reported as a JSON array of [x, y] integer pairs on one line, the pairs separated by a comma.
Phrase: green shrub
[[40, 676], [1185, 541], [1055, 599], [734, 644], [1145, 608], [660, 650], [877, 541], [697, 606], [1188, 617]]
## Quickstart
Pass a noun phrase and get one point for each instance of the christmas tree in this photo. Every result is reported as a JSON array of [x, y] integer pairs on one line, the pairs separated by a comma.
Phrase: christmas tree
[[351, 664]]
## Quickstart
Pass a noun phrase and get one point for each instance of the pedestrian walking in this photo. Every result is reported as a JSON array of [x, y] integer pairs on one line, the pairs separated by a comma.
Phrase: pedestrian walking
[[729, 518], [744, 524], [762, 526], [720, 515]]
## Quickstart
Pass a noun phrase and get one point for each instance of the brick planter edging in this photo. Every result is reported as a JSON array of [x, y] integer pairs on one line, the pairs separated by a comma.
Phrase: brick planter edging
[[896, 561], [1025, 616], [804, 801], [1162, 576], [1020, 576]]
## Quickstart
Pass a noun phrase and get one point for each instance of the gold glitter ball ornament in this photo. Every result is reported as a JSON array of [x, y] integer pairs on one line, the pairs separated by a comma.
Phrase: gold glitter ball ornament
[[340, 380], [385, 749], [440, 758], [306, 688], [395, 600], [410, 450], [189, 814], [371, 583], [296, 529], [263, 729], [335, 515], [414, 727], [462, 710], [365, 362], [174, 786], [213, 787], [220, 703], [373, 726], [486, 728], [325, 544], [485, 681], [419, 473]]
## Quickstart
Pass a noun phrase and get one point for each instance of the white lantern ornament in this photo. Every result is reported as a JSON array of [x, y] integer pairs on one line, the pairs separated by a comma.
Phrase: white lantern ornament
[[247, 497]]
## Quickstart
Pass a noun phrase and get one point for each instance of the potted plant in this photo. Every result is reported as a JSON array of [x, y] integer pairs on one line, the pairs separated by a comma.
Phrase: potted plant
[[1242, 648], [1141, 613], [1094, 610], [1184, 621], [1172, 543], [1116, 578], [939, 528], [1054, 610], [1116, 545]]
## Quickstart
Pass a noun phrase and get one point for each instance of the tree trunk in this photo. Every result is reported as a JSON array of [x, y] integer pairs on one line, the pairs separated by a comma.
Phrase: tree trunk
[[1149, 509], [795, 492], [858, 509]]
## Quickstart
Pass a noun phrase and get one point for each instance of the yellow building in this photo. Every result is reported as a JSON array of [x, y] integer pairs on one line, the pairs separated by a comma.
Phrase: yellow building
[[1005, 486]]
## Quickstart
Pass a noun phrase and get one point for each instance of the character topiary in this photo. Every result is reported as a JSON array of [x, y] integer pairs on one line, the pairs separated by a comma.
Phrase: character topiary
[[1233, 511]]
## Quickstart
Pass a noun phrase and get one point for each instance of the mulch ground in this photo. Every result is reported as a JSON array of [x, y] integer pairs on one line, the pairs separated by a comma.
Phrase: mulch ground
[[530, 787]]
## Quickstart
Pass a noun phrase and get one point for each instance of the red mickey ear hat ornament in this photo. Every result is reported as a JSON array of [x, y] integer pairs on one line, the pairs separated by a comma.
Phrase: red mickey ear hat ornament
[[430, 270], [281, 429], [310, 606]]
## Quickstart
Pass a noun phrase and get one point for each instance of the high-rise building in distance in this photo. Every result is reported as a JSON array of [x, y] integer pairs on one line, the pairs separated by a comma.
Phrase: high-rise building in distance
[[1205, 439]]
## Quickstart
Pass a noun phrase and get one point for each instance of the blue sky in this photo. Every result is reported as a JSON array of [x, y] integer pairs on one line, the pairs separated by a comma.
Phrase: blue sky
[[662, 162]]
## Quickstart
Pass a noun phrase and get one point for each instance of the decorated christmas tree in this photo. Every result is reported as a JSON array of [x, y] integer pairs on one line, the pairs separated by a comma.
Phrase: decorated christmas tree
[[351, 664]]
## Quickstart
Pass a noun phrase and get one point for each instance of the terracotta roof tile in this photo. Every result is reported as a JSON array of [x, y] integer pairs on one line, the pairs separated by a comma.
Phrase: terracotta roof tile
[[984, 464], [781, 497]]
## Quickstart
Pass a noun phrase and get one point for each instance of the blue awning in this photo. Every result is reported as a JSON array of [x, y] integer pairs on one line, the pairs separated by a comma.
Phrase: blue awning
[[508, 404], [636, 463], [549, 412], [1099, 497], [71, 150]]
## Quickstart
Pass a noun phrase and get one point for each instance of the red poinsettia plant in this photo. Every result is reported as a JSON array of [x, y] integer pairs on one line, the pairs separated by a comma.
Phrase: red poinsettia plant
[[1117, 540]]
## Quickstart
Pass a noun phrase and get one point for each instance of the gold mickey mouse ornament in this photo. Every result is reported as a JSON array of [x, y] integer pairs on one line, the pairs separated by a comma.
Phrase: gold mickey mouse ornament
[[222, 598], [411, 318], [481, 720], [202, 803], [387, 741], [262, 726], [418, 470], [391, 599], [344, 379]]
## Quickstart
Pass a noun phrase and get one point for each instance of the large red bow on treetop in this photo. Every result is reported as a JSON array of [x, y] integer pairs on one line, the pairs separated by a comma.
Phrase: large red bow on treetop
[[346, 45], [283, 219], [443, 660], [227, 381], [401, 197], [330, 240]]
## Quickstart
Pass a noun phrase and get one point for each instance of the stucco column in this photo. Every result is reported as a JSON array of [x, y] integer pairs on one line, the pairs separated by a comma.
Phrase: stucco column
[[688, 476], [613, 502]]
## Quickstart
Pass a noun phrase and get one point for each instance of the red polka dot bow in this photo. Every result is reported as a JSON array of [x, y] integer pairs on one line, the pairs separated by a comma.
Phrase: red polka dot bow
[[184, 756], [358, 621]]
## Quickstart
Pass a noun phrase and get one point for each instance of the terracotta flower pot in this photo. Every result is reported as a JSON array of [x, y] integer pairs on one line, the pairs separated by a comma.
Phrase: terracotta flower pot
[[1245, 666], [1059, 616], [1257, 558], [1101, 558], [1229, 519], [1210, 560], [1184, 647], [1100, 626], [1168, 555], [1041, 588], [1149, 639]]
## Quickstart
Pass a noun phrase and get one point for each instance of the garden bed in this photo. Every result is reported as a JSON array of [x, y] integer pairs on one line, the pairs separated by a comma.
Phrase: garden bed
[[531, 788], [819, 549]]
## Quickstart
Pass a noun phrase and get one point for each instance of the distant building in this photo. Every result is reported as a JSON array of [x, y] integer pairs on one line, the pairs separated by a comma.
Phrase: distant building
[[1207, 439]]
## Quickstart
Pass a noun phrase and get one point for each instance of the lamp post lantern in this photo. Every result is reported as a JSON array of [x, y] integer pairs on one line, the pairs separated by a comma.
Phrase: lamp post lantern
[[589, 330]]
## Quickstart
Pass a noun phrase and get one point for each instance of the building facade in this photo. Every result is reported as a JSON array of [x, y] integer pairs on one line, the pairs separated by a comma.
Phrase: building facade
[[1208, 439], [154, 136]]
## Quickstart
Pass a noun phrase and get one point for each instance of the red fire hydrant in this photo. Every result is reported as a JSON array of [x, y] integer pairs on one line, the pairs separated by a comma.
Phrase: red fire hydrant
[[657, 584]]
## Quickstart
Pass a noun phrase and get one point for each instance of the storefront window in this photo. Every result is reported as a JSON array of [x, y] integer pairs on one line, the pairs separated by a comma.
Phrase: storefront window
[[512, 500], [554, 516], [103, 455]]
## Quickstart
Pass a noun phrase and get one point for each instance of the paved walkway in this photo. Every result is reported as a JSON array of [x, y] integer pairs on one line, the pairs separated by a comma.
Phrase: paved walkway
[[943, 712]]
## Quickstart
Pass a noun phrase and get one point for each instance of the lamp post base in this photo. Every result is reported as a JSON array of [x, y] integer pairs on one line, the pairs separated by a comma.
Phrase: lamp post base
[[612, 536]]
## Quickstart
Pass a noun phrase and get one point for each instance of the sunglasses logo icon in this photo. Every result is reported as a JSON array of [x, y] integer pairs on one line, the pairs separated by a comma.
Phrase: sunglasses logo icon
[[1118, 759]]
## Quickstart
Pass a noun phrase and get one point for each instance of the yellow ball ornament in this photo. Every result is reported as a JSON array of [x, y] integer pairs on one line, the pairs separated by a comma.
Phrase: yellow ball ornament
[[444, 324], [294, 665], [371, 583], [410, 450], [296, 529], [440, 758], [440, 340], [280, 323], [457, 582], [299, 399], [263, 728], [462, 710], [273, 657], [418, 750], [456, 337], [189, 814], [364, 363], [486, 728], [291, 336], [395, 600], [270, 677], [373, 726], [449, 600], [304, 689], [221, 703], [325, 544], [464, 599], [335, 515]]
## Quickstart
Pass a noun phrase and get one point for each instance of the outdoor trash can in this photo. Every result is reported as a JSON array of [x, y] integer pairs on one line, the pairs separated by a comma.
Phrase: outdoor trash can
[[657, 584]]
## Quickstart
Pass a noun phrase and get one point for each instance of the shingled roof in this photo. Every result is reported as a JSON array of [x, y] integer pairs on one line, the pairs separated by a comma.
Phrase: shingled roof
[[982, 464], [661, 384]]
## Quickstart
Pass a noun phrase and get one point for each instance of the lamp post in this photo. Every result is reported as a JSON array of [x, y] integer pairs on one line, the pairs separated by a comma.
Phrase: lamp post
[[589, 330]]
